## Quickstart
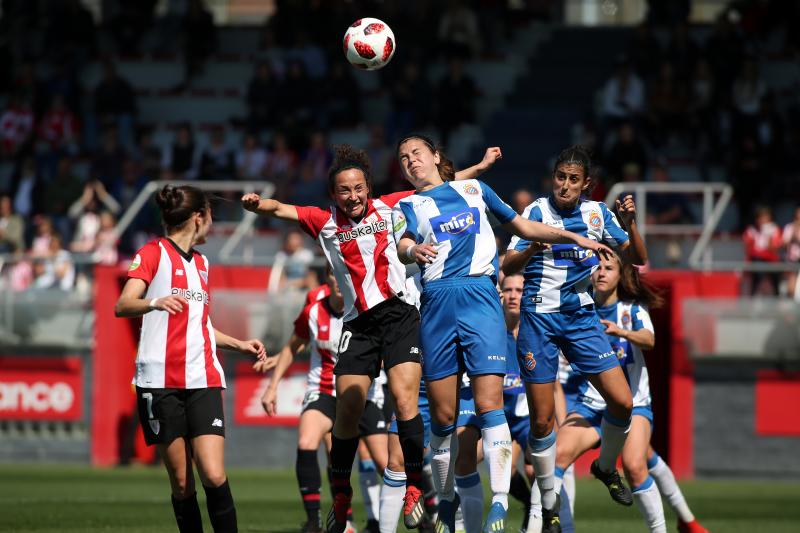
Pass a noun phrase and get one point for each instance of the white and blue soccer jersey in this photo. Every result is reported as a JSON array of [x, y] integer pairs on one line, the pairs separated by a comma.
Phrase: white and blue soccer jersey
[[558, 278], [632, 317], [453, 217]]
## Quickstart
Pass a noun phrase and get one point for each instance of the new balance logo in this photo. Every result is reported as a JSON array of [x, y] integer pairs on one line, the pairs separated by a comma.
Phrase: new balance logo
[[414, 350], [217, 423]]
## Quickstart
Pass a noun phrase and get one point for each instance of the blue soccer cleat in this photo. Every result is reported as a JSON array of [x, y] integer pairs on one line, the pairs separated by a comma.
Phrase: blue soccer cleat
[[496, 519]]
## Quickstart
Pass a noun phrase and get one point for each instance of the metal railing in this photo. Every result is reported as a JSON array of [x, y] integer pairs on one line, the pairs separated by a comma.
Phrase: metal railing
[[716, 199]]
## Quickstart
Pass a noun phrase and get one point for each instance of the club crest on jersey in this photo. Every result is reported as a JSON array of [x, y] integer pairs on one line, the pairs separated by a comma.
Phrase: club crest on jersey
[[626, 319], [565, 255], [361, 231], [469, 188], [399, 222], [137, 261], [450, 225], [595, 220], [530, 361]]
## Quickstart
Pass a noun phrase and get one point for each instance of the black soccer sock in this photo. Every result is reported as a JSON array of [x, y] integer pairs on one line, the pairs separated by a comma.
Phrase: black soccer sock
[[187, 514], [221, 509], [343, 452], [519, 488], [310, 481], [412, 438]]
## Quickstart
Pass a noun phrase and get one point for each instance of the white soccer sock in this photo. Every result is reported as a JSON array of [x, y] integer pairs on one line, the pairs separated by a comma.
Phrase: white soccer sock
[[669, 488], [569, 486], [394, 488], [536, 500], [542, 453], [648, 500], [443, 461], [496, 438], [370, 488], [470, 491], [613, 433]]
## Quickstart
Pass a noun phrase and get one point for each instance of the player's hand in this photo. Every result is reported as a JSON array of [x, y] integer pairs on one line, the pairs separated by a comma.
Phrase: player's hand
[[424, 253], [250, 201], [538, 247], [493, 153], [263, 366], [253, 347], [627, 210], [591, 244], [612, 328], [172, 304], [269, 401]]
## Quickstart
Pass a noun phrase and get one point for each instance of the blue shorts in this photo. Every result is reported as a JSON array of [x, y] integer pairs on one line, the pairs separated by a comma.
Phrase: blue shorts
[[425, 412], [467, 416], [579, 335], [462, 327], [595, 416], [520, 426]]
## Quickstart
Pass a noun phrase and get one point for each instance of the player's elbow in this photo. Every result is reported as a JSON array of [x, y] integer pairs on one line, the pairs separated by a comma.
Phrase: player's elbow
[[119, 309]]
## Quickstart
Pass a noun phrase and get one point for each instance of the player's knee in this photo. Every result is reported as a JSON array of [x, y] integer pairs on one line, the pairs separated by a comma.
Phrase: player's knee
[[542, 426], [466, 464], [443, 416], [406, 406], [214, 477], [621, 407], [308, 442], [635, 470], [182, 486]]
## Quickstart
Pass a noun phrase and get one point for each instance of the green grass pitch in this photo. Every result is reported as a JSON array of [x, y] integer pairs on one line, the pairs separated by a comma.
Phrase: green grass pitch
[[83, 500]]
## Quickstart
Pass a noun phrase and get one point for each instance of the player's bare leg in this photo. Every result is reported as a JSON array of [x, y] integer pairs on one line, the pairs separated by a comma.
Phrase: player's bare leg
[[177, 457], [209, 456], [634, 462]]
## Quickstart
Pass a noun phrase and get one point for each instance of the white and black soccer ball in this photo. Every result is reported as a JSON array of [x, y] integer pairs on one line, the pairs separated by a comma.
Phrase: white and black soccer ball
[[369, 44]]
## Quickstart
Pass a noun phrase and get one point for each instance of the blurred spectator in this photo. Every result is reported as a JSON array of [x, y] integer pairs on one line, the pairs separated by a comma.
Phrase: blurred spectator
[[115, 103], [58, 128], [148, 155], [521, 199], [44, 234], [12, 227], [749, 179], [27, 189], [456, 99], [217, 161], [86, 210], [59, 195], [296, 95], [71, 31], [762, 243], [270, 52], [724, 53], [623, 95], [107, 162], [311, 186], [181, 158], [459, 33], [748, 90], [64, 83], [769, 131], [667, 105], [16, 127], [791, 244], [262, 99], [309, 54], [129, 21], [105, 244], [281, 166], [628, 148], [341, 97], [251, 159], [644, 51], [682, 51], [412, 97], [133, 181], [701, 101], [295, 259], [55, 269], [26, 87], [667, 208], [199, 37], [380, 156]]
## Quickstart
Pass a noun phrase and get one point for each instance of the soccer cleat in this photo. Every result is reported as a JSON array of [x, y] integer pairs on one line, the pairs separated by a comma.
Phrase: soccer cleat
[[551, 523], [312, 526], [619, 492], [337, 517], [446, 521], [691, 527], [351, 527], [495, 519], [413, 508], [372, 526]]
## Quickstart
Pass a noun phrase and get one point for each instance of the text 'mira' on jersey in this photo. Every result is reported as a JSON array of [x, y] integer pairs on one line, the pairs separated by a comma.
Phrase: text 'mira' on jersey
[[558, 279], [453, 216], [175, 351], [363, 254]]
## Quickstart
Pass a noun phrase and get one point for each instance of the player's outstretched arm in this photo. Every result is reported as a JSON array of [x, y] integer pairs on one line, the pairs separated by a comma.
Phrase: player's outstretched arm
[[131, 303], [493, 153], [643, 338], [633, 251], [269, 399], [252, 347], [532, 230], [514, 261], [269, 207]]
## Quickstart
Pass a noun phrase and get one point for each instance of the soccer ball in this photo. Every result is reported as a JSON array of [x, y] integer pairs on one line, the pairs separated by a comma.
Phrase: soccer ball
[[369, 44]]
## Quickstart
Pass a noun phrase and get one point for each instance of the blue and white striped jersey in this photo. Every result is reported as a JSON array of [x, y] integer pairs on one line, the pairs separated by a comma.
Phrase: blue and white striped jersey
[[454, 217], [558, 279], [632, 317]]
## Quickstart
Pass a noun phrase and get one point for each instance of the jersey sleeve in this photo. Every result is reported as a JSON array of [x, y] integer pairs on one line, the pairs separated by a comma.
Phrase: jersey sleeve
[[532, 212], [640, 319], [312, 219], [501, 210], [392, 199], [613, 233], [301, 328], [145, 263], [404, 220]]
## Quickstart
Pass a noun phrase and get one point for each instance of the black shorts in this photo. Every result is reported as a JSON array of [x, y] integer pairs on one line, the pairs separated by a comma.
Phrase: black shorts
[[372, 420], [388, 332], [166, 414]]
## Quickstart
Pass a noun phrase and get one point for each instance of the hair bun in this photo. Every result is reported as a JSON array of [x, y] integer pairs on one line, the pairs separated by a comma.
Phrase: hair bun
[[169, 198]]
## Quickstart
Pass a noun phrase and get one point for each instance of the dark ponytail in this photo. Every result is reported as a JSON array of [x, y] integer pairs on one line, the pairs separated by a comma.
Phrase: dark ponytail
[[633, 288], [446, 168], [178, 204]]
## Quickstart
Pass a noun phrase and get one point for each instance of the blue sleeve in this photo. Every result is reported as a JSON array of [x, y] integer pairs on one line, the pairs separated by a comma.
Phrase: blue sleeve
[[501, 210], [640, 318], [532, 212], [404, 220], [613, 233]]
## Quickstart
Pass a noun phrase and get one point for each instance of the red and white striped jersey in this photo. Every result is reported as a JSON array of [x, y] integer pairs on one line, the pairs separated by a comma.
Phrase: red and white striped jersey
[[315, 295], [176, 351], [363, 255], [322, 328]]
